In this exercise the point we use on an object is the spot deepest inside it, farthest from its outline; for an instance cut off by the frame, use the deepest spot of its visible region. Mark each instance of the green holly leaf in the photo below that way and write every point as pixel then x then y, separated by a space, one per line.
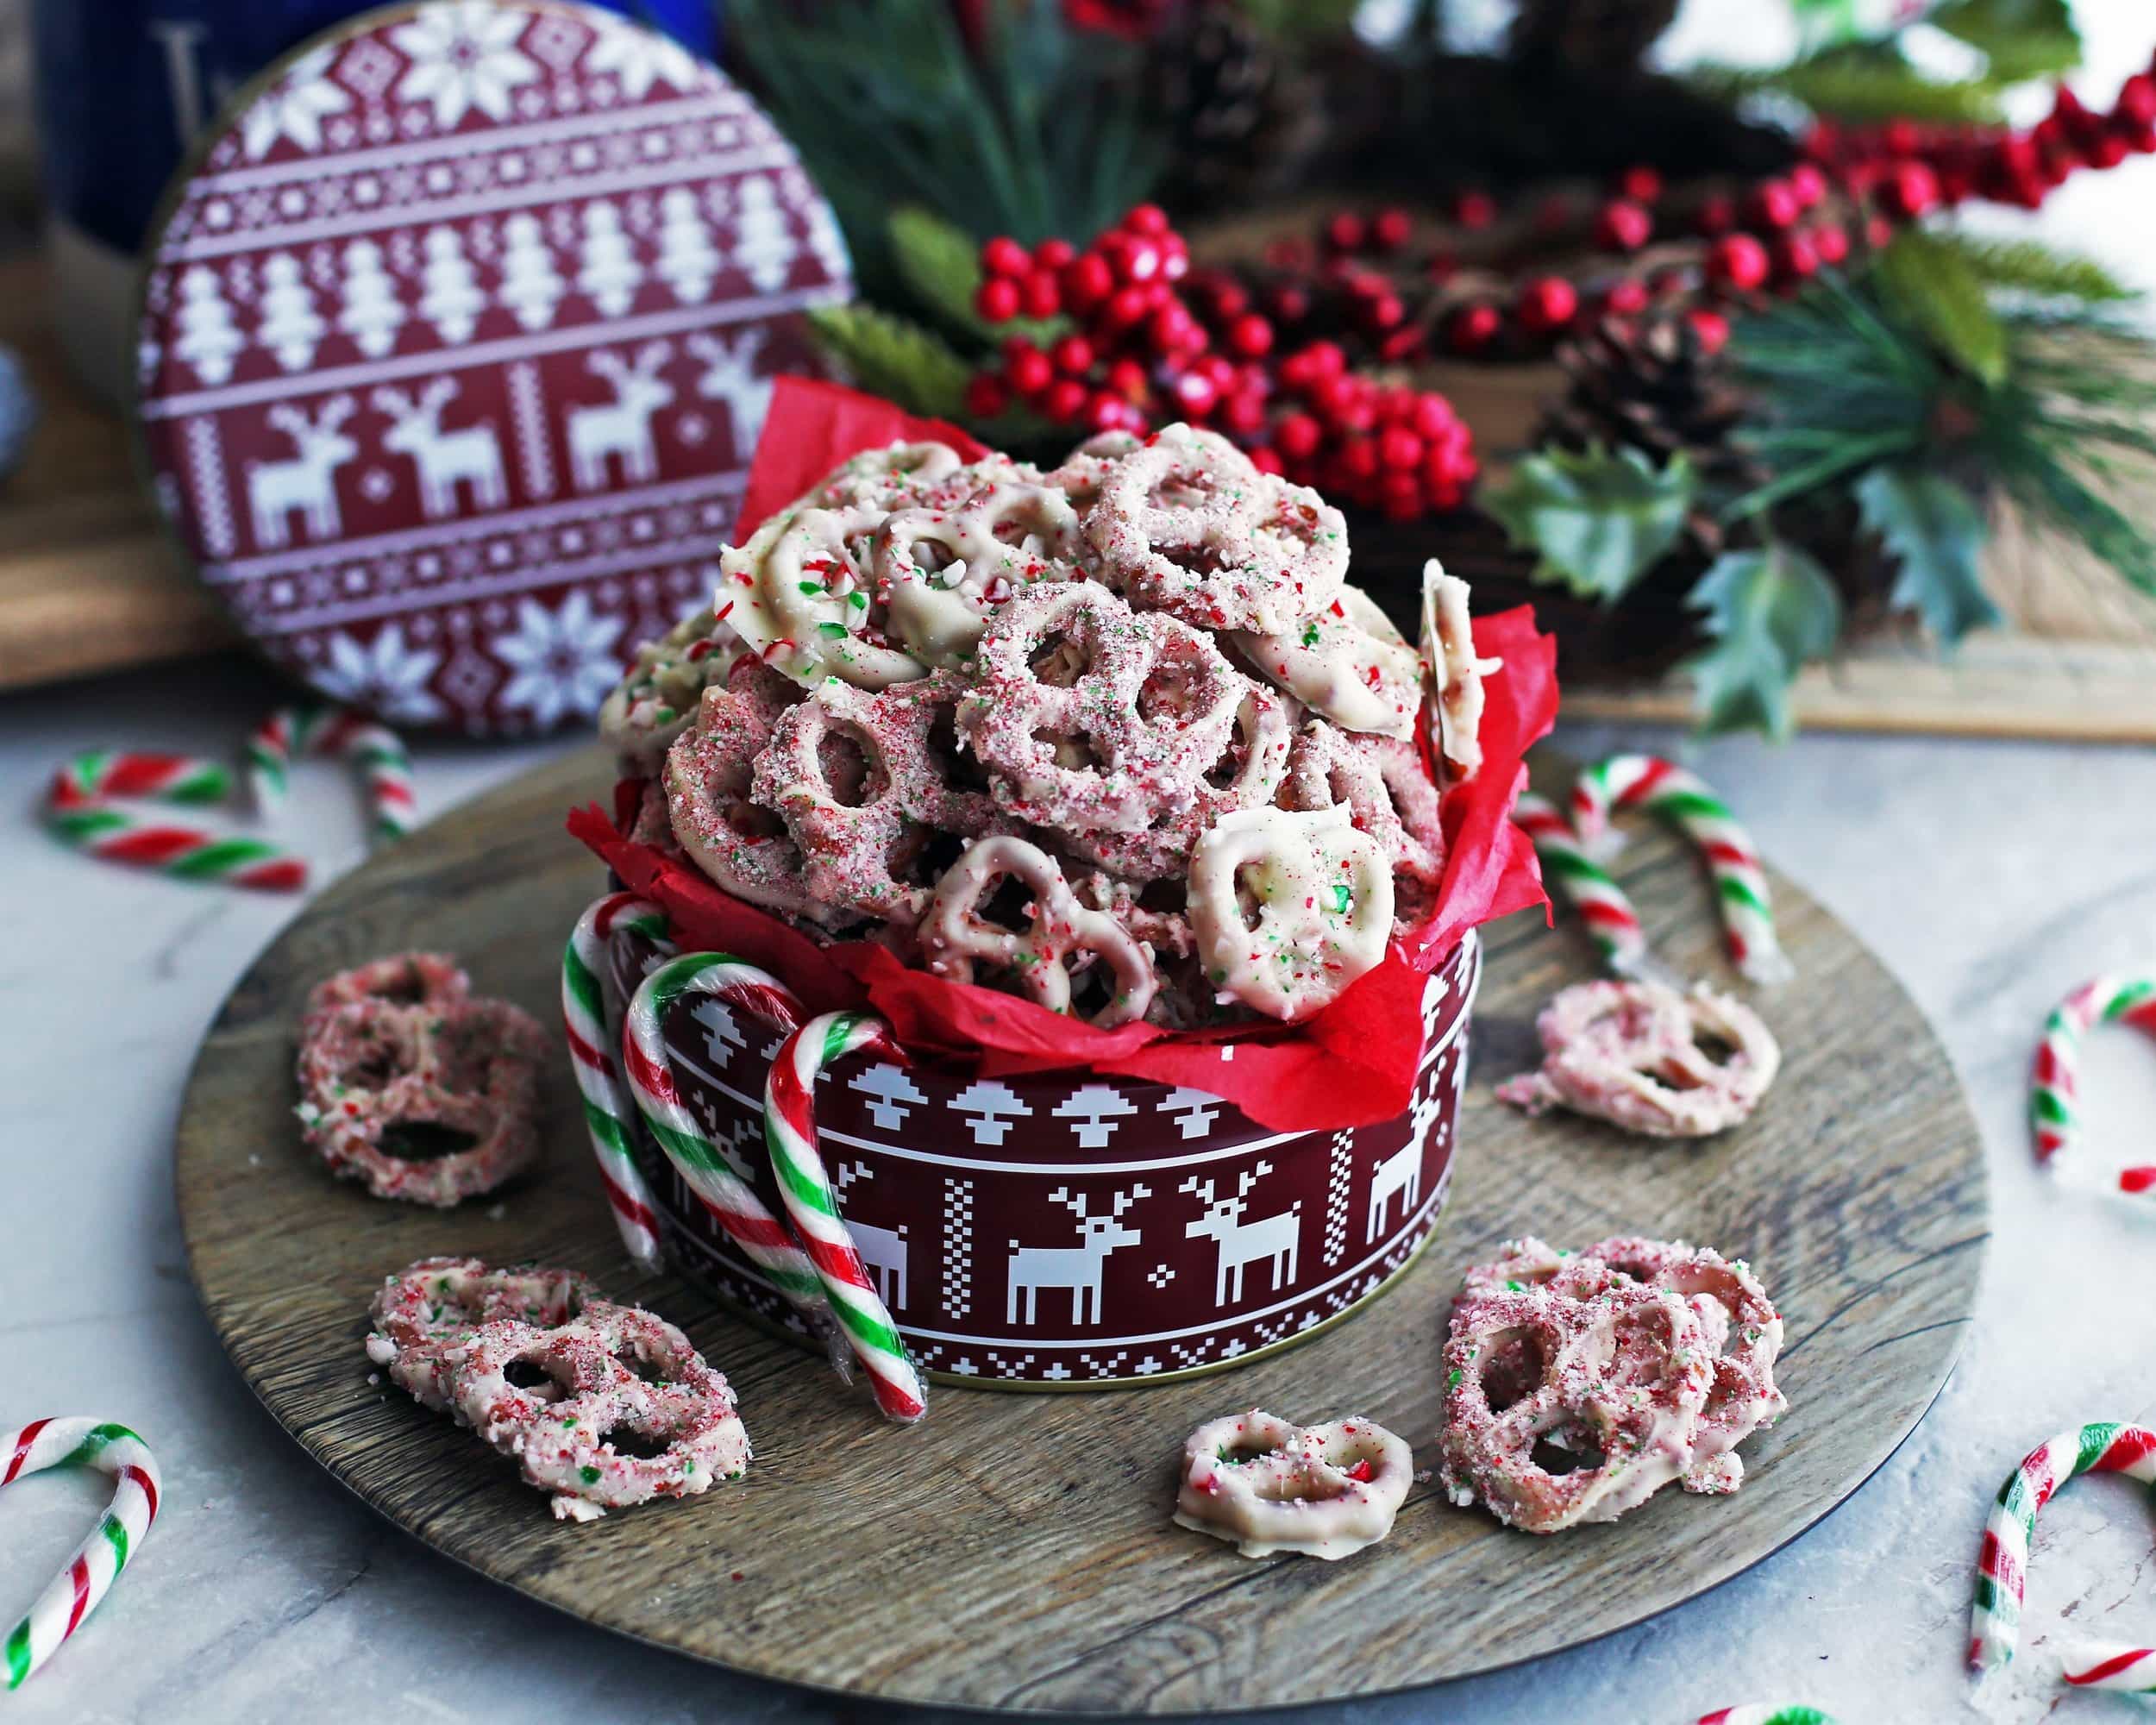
pixel 1598 521
pixel 1768 613
pixel 940 264
pixel 1934 533
pixel 892 358
pixel 2020 39
pixel 1936 285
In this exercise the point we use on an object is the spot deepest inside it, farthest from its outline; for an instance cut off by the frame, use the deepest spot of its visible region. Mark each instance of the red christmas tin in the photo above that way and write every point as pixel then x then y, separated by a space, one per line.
pixel 1066 1229
pixel 455 344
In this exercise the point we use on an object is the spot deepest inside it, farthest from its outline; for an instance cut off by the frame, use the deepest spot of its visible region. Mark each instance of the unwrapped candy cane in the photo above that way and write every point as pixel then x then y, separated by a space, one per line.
pixel 789 1132
pixel 1995 1624
pixel 375 749
pixel 73 1594
pixel 1756 1713
pixel 2054 1087
pixel 1686 801
pixel 1612 922
pixel 83 807
pixel 591 1015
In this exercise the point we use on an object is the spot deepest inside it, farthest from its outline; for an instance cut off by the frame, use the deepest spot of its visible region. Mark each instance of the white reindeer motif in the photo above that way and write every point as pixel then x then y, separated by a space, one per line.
pixel 1399 1174
pixel 444 459
pixel 882 1250
pixel 1277 1236
pixel 623 427
pixel 1076 1267
pixel 729 375
pixel 308 481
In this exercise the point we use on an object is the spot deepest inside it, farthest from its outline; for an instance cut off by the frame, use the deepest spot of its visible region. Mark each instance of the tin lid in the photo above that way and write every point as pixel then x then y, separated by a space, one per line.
pixel 455 342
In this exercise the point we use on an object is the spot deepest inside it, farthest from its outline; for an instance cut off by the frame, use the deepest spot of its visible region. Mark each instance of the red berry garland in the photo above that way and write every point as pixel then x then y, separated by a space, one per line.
pixel 1156 341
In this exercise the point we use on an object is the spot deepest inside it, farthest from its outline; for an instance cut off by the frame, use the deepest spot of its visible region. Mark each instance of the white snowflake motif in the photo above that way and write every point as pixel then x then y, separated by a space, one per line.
pixel 564 660
pixel 463 56
pixel 387 677
pixel 640 58
pixel 295 106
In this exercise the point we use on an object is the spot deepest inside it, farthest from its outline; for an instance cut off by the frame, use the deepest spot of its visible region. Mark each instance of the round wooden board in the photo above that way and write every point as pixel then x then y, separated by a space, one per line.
pixel 1014 1551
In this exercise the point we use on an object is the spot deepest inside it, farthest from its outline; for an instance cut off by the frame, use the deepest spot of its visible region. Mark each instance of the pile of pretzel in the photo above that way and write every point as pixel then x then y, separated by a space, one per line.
pixel 1116 736
pixel 1578 1384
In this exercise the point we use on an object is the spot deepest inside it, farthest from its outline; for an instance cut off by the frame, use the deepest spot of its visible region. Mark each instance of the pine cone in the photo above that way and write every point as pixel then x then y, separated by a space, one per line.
pixel 1607 35
pixel 1243 123
pixel 1650 383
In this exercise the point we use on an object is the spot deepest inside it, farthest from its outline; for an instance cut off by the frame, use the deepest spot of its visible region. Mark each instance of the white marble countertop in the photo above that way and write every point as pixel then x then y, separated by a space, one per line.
pixel 1989 878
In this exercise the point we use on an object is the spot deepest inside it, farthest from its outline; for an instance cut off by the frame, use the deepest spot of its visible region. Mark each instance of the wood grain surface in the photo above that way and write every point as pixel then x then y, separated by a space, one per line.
pixel 89 578
pixel 1014 1551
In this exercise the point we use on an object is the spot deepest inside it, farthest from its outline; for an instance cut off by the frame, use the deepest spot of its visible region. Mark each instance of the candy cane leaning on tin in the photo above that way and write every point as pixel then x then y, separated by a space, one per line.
pixel 1612 922
pixel 2105 1446
pixel 2055 1084
pixel 375 749
pixel 73 1594
pixel 1686 800
pixel 83 809
pixel 789 1132
pixel 727 1199
pixel 592 1015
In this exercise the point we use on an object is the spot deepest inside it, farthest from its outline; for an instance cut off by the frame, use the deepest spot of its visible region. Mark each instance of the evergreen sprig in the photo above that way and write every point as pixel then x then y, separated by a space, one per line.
pixel 889 357
pixel 1036 130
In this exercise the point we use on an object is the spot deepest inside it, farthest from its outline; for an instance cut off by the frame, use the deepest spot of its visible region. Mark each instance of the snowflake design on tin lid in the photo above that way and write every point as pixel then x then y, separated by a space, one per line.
pixel 295 107
pixel 463 56
pixel 564 661
pixel 387 676
pixel 640 58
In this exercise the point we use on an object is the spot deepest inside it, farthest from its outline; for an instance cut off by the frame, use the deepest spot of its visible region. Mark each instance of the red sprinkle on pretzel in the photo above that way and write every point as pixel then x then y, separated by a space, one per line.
pixel 1248 774
pixel 1616 1382
pixel 433 979
pixel 1744 1332
pixel 611 1370
pixel 853 776
pixel 1382 782
pixel 979 554
pixel 1092 716
pixel 743 847
pixel 1347 663
pixel 956 936
pixel 439 1300
pixel 433 1104
pixel 1629 1053
pixel 1267 1486
pixel 1288 909
pixel 1187 525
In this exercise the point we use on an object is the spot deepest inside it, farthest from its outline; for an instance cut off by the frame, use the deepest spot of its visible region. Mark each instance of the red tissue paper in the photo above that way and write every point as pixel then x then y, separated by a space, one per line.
pixel 1351 1064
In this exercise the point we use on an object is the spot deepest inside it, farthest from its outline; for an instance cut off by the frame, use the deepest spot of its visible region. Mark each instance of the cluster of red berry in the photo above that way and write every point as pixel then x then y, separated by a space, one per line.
pixel 1914 168
pixel 1155 342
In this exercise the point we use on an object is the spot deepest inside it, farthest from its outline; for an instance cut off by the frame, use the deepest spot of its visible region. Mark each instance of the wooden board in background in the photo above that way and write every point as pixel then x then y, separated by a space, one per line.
pixel 1014 1551
pixel 88 580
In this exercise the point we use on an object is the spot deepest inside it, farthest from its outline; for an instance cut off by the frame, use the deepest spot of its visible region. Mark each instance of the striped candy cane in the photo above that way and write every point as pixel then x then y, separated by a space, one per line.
pixel 378 753
pixel 726 1197
pixel 1611 921
pixel 2003 1564
pixel 80 810
pixel 2055 1084
pixel 590 1013
pixel 2112 1664
pixel 1756 1714
pixel 789 1132
pixel 1686 800
pixel 73 1594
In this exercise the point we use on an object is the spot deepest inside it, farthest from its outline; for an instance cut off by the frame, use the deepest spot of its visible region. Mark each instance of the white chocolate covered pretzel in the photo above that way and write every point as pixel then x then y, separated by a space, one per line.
pixel 1186 524
pixel 957 937
pixel 1266 1486
pixel 1288 908
pixel 1629 1053
pixel 1346 663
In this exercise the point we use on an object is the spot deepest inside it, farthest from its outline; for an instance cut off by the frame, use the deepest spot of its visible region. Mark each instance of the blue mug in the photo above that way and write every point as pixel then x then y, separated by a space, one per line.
pixel 167 67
